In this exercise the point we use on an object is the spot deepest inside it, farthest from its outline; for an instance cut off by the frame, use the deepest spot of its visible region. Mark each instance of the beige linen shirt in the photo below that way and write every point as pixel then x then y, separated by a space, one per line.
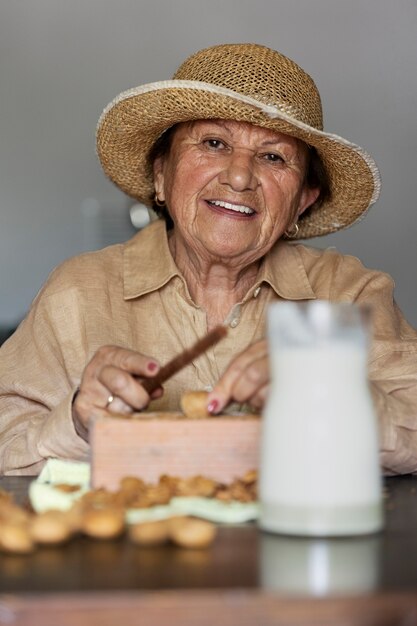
pixel 133 295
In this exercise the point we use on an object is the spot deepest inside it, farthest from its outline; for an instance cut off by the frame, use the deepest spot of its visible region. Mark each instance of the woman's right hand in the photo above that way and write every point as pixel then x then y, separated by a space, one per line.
pixel 113 372
pixel 246 380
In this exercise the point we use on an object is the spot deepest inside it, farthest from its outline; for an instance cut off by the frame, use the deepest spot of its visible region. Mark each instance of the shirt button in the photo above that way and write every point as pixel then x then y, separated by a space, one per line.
pixel 234 322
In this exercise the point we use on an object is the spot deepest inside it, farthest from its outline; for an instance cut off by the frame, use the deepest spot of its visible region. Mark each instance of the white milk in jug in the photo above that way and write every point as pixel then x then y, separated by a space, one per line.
pixel 319 453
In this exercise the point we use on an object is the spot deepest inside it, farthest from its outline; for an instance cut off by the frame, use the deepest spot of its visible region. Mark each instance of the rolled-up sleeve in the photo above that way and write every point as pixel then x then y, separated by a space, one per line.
pixel 392 361
pixel 394 389
pixel 37 385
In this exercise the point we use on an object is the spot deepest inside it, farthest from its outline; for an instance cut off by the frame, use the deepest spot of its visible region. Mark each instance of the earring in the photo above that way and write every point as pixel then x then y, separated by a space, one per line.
pixel 292 234
pixel 158 202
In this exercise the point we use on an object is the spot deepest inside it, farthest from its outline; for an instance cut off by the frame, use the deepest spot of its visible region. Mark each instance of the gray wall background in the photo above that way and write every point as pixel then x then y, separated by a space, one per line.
pixel 61 62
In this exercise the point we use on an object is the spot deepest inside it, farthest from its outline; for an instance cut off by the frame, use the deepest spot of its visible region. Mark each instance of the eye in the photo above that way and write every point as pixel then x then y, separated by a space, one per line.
pixel 213 143
pixel 273 157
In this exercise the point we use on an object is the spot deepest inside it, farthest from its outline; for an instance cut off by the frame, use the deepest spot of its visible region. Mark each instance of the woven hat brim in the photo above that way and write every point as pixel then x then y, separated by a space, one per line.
pixel 132 122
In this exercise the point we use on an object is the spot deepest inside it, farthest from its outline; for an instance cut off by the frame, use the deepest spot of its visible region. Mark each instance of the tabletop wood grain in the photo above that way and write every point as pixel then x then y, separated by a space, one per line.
pixel 246 577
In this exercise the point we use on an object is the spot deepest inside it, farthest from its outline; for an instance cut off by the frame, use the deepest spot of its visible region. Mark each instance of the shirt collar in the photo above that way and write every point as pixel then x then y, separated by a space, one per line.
pixel 147 261
pixel 148 265
pixel 283 269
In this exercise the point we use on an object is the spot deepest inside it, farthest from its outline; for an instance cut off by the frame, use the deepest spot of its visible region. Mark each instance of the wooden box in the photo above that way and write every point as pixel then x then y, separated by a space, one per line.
pixel 222 448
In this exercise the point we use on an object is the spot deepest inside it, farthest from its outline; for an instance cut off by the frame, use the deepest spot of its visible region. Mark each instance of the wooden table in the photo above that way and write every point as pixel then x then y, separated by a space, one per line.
pixel 246 577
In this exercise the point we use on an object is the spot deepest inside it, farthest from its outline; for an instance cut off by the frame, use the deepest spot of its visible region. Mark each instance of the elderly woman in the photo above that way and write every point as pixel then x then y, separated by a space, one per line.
pixel 232 156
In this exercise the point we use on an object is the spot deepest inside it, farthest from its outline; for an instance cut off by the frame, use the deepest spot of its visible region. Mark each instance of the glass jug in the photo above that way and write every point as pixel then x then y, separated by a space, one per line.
pixel 319 468
pixel 320 566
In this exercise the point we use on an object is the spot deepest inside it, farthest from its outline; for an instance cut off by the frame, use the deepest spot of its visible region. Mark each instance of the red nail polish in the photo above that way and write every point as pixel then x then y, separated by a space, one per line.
pixel 152 366
pixel 212 406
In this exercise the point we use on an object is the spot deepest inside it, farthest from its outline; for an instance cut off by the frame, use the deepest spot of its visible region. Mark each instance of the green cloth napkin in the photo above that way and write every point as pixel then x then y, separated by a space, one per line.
pixel 43 496
pixel 42 492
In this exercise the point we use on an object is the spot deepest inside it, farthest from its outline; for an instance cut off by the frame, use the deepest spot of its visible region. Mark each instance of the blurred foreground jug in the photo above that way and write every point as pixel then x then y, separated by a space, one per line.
pixel 319 469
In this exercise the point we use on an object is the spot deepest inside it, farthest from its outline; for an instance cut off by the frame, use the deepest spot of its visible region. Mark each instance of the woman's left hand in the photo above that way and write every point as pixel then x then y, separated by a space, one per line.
pixel 246 380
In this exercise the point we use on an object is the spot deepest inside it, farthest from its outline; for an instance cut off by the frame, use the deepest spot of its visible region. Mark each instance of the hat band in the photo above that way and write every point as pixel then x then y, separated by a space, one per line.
pixel 284 111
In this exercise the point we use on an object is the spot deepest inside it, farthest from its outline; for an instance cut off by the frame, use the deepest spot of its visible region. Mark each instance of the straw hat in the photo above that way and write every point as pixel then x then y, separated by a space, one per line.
pixel 243 82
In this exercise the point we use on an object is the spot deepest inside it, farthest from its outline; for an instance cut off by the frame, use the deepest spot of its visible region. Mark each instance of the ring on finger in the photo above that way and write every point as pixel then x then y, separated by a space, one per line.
pixel 109 401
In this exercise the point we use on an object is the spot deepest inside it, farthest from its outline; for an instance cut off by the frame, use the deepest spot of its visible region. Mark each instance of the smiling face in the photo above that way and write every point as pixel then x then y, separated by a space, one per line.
pixel 232 188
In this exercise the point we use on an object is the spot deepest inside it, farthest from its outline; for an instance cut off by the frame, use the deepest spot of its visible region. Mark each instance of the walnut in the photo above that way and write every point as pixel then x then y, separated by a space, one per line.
pixel 105 523
pixel 16 538
pixel 149 533
pixel 51 527
pixel 191 533
pixel 194 404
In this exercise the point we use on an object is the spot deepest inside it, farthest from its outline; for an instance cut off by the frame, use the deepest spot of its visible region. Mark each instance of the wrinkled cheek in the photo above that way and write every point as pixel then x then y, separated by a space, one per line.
pixel 272 227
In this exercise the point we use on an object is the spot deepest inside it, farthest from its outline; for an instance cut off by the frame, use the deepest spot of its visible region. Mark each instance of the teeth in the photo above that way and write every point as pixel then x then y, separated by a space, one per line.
pixel 239 208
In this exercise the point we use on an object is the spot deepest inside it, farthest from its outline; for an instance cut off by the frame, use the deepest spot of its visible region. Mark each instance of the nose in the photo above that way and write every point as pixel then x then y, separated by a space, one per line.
pixel 239 171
